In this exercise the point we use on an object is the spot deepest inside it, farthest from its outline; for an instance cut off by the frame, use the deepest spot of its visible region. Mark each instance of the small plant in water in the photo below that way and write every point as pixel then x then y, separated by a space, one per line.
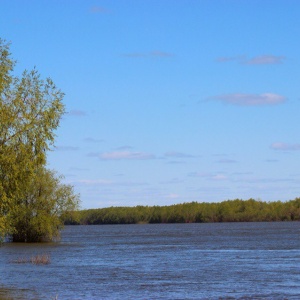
pixel 20 260
pixel 43 259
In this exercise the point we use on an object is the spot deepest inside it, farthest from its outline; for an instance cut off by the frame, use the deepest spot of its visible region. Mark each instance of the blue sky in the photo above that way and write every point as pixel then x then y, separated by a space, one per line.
pixel 168 101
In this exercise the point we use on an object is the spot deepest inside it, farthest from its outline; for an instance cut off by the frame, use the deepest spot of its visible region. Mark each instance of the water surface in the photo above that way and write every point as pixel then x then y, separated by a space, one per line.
pixel 162 261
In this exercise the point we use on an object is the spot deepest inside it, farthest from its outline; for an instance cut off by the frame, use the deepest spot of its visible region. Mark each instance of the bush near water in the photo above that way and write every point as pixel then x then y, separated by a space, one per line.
pixel 227 211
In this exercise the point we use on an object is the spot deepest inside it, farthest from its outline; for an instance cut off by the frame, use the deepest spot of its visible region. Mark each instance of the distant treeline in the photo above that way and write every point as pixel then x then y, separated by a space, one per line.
pixel 227 211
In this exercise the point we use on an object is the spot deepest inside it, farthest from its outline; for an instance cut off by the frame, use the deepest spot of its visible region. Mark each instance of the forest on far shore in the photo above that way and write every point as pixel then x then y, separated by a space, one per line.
pixel 227 211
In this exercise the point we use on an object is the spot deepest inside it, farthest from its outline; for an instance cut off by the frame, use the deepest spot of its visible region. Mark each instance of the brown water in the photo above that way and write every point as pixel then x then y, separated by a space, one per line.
pixel 163 261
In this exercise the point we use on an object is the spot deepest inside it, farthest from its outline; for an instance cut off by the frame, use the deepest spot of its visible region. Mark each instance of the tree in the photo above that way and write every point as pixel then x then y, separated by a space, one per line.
pixel 38 217
pixel 30 112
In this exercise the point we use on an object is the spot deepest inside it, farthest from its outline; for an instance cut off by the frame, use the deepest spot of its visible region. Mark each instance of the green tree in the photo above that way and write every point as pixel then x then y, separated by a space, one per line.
pixel 30 112
pixel 46 201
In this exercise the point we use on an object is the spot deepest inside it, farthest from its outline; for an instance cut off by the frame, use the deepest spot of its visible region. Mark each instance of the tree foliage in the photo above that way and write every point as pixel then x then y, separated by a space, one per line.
pixel 37 217
pixel 30 112
pixel 227 211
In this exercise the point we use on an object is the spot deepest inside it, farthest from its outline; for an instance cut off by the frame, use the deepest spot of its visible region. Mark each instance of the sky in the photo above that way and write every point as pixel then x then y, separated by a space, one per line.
pixel 168 101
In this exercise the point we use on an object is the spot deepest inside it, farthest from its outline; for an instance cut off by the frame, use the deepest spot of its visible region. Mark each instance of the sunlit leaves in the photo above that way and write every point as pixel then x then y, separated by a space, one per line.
pixel 30 111
pixel 38 216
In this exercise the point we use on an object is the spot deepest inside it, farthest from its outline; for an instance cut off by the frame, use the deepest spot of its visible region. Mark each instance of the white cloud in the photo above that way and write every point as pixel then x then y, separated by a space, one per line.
pixel 77 113
pixel 199 174
pixel 177 154
pixel 123 155
pixel 219 177
pixel 172 196
pixel 107 182
pixel 176 162
pixel 226 161
pixel 269 160
pixel 264 180
pixel 208 176
pixel 160 54
pixel 98 10
pixel 224 59
pixel 95 182
pixel 265 60
pixel 92 140
pixel 256 60
pixel 78 169
pixel 123 148
pixel 285 146
pixel 251 99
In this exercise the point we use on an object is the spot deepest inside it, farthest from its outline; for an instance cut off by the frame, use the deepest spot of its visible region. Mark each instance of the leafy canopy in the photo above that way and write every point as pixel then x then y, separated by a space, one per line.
pixel 37 217
pixel 30 112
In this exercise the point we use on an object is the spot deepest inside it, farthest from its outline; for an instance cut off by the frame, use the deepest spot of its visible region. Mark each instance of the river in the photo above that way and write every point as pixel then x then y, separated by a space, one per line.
pixel 158 261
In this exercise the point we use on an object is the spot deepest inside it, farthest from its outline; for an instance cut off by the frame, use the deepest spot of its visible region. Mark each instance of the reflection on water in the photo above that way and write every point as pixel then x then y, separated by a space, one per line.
pixel 163 261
